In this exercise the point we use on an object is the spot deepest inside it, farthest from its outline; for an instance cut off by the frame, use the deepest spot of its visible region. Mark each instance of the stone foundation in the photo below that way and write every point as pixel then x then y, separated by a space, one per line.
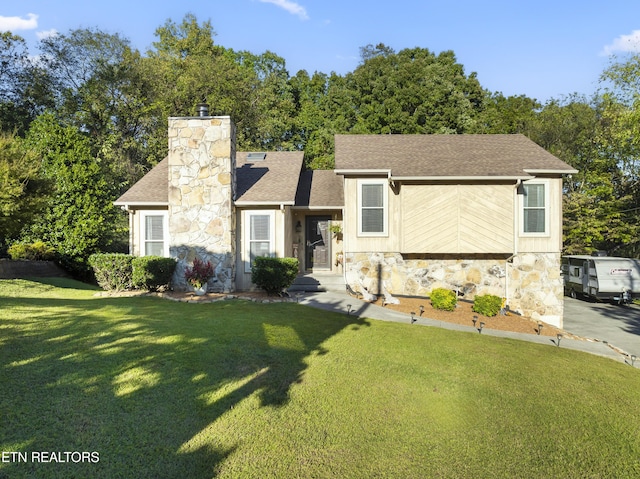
pixel 533 280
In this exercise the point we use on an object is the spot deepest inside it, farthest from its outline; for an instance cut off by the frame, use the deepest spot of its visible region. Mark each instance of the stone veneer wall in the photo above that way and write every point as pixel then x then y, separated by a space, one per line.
pixel 534 282
pixel 201 188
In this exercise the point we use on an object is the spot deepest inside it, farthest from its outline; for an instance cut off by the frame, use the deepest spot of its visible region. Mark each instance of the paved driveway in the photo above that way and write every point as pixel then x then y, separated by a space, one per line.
pixel 618 325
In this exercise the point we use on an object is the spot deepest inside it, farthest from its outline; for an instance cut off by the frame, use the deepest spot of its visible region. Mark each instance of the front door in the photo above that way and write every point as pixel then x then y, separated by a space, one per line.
pixel 318 248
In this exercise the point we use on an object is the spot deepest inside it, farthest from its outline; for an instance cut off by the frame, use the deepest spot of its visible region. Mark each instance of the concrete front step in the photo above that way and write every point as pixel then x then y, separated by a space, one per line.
pixel 318 281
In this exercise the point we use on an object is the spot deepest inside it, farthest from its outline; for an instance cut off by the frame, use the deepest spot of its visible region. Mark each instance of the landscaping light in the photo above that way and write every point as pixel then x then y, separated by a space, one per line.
pixel 421 310
pixel 475 320
pixel 539 328
pixel 633 359
pixel 559 337
pixel 413 319
pixel 298 297
pixel 348 309
pixel 481 326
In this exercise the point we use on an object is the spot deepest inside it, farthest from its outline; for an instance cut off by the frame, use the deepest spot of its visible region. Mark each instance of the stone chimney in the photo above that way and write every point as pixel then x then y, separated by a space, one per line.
pixel 202 163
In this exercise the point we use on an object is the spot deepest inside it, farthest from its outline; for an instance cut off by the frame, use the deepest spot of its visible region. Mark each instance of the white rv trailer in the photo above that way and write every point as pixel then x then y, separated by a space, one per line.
pixel 601 277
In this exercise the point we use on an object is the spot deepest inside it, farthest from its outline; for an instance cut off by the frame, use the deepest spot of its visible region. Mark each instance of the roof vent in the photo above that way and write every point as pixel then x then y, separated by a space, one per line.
pixel 256 156
pixel 203 109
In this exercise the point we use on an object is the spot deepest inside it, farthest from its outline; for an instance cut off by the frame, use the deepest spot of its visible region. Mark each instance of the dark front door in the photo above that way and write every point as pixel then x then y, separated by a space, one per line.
pixel 318 249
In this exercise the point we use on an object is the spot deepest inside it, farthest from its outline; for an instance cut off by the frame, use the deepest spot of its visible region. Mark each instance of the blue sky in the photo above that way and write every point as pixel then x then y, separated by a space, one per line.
pixel 543 49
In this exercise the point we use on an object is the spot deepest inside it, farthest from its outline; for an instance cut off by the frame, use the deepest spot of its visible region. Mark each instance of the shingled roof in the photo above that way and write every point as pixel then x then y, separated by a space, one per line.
pixel 445 156
pixel 151 189
pixel 320 189
pixel 272 180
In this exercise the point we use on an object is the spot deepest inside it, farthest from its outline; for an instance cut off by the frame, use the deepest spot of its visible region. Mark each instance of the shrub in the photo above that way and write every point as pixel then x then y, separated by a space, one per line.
pixel 36 251
pixel 444 299
pixel 274 275
pixel 152 272
pixel 113 271
pixel 487 304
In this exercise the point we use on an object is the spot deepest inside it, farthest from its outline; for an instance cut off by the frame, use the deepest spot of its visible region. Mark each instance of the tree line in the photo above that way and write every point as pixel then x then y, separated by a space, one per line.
pixel 86 116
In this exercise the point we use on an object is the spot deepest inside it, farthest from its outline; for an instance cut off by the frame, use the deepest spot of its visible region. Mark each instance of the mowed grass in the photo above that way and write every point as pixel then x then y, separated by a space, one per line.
pixel 161 389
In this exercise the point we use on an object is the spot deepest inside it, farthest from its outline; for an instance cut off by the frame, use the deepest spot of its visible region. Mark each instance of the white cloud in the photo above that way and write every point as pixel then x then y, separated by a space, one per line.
pixel 624 43
pixel 47 34
pixel 12 24
pixel 291 7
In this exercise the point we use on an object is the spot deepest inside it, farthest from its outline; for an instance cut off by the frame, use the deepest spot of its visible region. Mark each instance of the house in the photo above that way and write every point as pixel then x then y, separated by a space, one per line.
pixel 480 214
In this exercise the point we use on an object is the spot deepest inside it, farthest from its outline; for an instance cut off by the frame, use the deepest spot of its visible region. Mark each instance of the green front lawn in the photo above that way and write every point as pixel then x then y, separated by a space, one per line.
pixel 161 389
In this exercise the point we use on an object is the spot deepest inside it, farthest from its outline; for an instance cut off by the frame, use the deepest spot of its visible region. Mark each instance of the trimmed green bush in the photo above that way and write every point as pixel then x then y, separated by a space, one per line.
pixel 152 272
pixel 444 299
pixel 36 251
pixel 113 271
pixel 274 275
pixel 487 304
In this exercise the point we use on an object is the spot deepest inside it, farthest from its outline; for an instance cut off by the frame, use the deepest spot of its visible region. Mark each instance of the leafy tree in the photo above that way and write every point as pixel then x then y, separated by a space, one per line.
pixel 413 91
pixel 619 138
pixel 15 114
pixel 79 218
pixel 268 121
pixel 93 80
pixel 72 64
pixel 500 114
pixel 593 220
pixel 577 131
pixel 569 129
pixel 185 67
pixel 21 191
pixel 315 116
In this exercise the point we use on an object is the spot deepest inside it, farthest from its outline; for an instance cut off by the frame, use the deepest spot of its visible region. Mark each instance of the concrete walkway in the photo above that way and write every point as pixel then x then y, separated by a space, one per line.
pixel 339 302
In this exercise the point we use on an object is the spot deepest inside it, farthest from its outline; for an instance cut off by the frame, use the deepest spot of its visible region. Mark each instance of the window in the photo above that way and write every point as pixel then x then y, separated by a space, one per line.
pixel 535 216
pixel 259 236
pixel 154 235
pixel 372 206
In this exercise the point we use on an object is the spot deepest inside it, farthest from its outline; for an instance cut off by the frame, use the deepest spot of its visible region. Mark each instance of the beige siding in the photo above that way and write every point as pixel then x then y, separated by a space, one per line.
pixel 486 218
pixel 429 218
pixel 136 229
pixel 282 241
pixel 457 218
pixel 551 243
pixel 352 242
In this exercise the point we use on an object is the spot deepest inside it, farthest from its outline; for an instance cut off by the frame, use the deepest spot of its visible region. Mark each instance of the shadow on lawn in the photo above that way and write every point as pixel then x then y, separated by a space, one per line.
pixel 139 380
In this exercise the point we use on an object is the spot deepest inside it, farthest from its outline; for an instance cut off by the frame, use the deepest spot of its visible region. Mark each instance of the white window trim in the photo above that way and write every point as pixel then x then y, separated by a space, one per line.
pixel 547 212
pixel 246 228
pixel 385 207
pixel 165 231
